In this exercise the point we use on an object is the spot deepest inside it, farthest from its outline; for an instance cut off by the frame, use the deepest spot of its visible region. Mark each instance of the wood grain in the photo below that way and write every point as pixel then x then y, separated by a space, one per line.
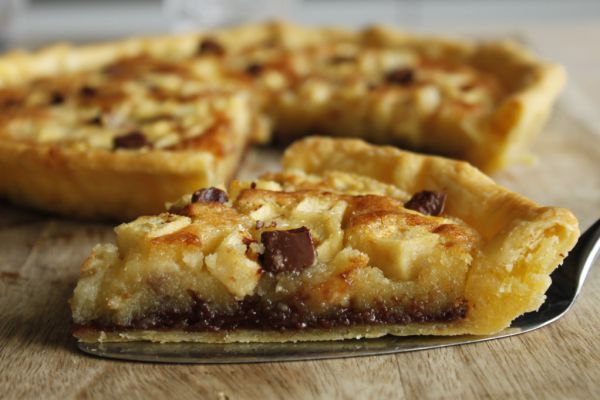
pixel 40 256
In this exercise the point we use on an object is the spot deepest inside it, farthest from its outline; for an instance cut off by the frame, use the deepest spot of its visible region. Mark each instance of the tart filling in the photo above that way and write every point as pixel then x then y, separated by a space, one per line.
pixel 272 259
pixel 138 103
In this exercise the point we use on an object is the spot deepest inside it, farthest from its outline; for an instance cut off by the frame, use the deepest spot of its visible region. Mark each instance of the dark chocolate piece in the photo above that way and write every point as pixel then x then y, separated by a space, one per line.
pixel 289 250
pixel 210 46
pixel 290 315
pixel 427 202
pixel 209 195
pixel 254 69
pixel 11 102
pixel 57 98
pixel 88 91
pixel 97 120
pixel 339 59
pixel 402 76
pixel 133 140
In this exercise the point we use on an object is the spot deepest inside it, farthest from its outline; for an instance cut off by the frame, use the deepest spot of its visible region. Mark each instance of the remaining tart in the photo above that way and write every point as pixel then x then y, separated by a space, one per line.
pixel 120 141
pixel 115 130
pixel 349 240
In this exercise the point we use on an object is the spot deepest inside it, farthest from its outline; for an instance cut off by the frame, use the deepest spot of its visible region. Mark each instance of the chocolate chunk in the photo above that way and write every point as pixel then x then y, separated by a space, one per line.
pixel 210 47
pixel 335 60
pixel 467 87
pixel 97 120
pixel 254 69
pixel 290 314
pixel 209 195
pixel 88 91
pixel 428 203
pixel 57 98
pixel 11 102
pixel 290 250
pixel 133 140
pixel 402 76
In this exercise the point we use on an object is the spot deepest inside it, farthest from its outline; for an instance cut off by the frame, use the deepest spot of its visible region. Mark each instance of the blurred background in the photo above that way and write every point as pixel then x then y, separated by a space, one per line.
pixel 32 23
pixel 566 31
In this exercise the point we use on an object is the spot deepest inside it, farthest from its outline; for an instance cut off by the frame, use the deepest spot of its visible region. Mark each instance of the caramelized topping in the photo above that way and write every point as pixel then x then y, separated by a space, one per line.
pixel 427 202
pixel 402 76
pixel 133 140
pixel 290 250
pixel 210 46
pixel 209 195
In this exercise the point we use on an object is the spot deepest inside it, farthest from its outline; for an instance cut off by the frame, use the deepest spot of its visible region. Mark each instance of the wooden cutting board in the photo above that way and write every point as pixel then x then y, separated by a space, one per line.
pixel 40 256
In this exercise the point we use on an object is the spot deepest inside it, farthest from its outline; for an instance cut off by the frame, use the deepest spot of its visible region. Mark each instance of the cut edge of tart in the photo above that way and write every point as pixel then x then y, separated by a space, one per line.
pixel 350 240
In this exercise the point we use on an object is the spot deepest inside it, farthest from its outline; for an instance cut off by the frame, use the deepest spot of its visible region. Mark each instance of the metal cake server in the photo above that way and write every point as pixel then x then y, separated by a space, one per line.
pixel 567 282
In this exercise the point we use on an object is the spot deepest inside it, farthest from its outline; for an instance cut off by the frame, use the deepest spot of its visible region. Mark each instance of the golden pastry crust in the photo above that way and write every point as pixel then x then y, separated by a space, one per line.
pixel 482 103
pixel 120 141
pixel 471 270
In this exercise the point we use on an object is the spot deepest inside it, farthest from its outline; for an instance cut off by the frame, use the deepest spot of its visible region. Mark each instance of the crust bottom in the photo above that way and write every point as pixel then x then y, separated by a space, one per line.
pixel 91 335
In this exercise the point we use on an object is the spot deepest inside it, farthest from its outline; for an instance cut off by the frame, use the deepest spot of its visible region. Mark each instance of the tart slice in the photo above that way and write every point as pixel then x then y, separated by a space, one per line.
pixel 349 240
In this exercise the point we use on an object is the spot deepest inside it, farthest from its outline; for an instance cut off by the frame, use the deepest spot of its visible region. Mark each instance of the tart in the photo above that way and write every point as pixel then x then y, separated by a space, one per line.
pixel 349 240
pixel 119 141
pixel 116 130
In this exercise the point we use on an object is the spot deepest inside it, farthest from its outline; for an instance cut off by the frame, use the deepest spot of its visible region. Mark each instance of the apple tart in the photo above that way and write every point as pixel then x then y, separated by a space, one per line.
pixel 115 130
pixel 349 240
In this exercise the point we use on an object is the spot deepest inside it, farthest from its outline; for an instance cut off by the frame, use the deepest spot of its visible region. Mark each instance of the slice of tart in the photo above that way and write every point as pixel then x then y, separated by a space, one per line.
pixel 350 240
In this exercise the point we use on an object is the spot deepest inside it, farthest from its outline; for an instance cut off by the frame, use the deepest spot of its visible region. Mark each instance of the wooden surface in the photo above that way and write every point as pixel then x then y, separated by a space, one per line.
pixel 40 257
